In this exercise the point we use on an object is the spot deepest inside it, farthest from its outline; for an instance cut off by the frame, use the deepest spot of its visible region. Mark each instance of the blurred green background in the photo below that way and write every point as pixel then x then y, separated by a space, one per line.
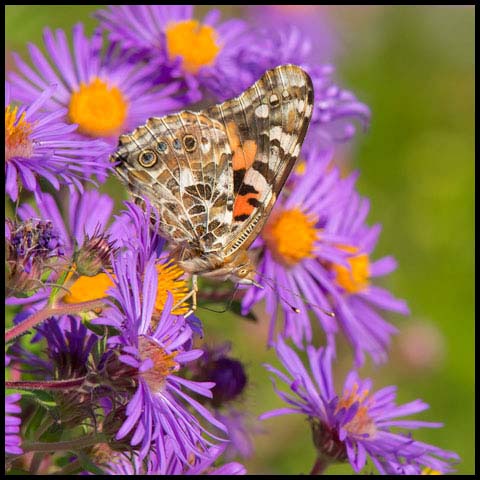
pixel 414 66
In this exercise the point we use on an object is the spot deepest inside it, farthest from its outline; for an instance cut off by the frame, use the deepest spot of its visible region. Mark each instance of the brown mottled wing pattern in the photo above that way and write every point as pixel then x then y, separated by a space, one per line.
pixel 266 126
pixel 182 164
pixel 215 175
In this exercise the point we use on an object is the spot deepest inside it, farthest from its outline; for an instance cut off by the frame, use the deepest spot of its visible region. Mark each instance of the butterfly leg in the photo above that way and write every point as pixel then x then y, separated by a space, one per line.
pixel 191 294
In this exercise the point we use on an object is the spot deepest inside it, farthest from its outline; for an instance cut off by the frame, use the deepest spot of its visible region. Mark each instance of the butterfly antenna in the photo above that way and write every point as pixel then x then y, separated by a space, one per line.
pixel 229 304
pixel 271 283
pixel 227 307
pixel 235 290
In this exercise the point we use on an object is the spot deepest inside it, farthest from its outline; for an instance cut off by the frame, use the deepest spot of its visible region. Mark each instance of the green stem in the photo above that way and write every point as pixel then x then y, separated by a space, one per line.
pixel 72 445
pixel 46 385
pixel 40 316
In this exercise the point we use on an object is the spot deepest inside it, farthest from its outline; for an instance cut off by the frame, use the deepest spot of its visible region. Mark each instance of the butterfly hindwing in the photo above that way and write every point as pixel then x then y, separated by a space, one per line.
pixel 265 126
pixel 186 175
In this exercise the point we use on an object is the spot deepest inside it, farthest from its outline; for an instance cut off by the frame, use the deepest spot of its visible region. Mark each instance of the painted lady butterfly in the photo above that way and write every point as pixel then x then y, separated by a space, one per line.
pixel 215 175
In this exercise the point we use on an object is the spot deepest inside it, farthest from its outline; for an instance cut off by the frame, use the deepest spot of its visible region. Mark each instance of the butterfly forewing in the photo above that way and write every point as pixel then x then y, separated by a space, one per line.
pixel 265 126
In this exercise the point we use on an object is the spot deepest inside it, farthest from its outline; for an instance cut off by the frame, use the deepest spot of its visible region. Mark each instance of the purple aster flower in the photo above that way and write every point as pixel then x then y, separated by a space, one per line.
pixel 155 346
pixel 81 220
pixel 356 424
pixel 204 54
pixel 119 464
pixel 12 421
pixel 317 248
pixel 291 246
pixel 104 95
pixel 336 110
pixel 40 144
pixel 312 20
pixel 204 466
pixel 350 286
pixel 137 228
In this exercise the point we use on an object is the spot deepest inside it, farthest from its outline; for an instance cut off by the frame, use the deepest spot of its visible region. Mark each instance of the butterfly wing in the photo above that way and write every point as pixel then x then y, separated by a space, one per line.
pixel 266 126
pixel 215 175
pixel 182 164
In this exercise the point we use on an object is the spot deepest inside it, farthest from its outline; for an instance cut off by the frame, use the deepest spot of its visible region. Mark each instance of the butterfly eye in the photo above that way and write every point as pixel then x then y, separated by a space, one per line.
pixel 242 272
pixel 147 159
pixel 176 144
pixel 162 147
pixel 189 142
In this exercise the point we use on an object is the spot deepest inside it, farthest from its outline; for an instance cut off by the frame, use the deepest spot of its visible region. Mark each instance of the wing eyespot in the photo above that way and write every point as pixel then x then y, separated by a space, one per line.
pixel 162 147
pixel 147 158
pixel 177 144
pixel 190 143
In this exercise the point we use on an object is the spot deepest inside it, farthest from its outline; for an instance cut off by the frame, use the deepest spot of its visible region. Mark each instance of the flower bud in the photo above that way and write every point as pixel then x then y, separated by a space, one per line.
pixel 227 373
pixel 32 248
pixel 94 255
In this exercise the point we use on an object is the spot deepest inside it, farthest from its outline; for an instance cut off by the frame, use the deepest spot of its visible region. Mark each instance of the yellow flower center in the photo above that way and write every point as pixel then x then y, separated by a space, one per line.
pixel 196 44
pixel 301 167
pixel 430 471
pixel 99 110
pixel 17 135
pixel 163 363
pixel 168 281
pixel 355 278
pixel 361 423
pixel 290 235
pixel 85 288
pixel 90 288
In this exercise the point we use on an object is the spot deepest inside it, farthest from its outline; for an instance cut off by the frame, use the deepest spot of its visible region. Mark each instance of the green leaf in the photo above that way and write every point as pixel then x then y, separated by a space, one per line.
pixel 41 397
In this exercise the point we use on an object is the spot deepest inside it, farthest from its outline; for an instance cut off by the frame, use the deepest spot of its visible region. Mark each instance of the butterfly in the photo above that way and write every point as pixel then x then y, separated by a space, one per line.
pixel 214 175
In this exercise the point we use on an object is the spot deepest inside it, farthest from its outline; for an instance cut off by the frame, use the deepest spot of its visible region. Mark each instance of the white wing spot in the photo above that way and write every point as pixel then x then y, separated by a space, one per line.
pixel 261 111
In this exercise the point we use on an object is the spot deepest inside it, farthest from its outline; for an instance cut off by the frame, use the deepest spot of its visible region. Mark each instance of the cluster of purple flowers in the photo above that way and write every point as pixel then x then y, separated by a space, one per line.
pixel 123 360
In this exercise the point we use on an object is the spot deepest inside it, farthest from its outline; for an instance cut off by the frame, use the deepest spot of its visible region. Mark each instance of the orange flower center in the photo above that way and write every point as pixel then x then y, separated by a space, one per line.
pixel 361 423
pixel 430 471
pixel 90 288
pixel 300 167
pixel 355 278
pixel 99 110
pixel 17 135
pixel 163 363
pixel 290 235
pixel 85 288
pixel 168 281
pixel 196 44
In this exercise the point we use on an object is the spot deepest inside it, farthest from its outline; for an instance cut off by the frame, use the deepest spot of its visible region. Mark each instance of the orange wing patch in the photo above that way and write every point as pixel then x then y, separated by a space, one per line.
pixel 243 155
pixel 245 203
